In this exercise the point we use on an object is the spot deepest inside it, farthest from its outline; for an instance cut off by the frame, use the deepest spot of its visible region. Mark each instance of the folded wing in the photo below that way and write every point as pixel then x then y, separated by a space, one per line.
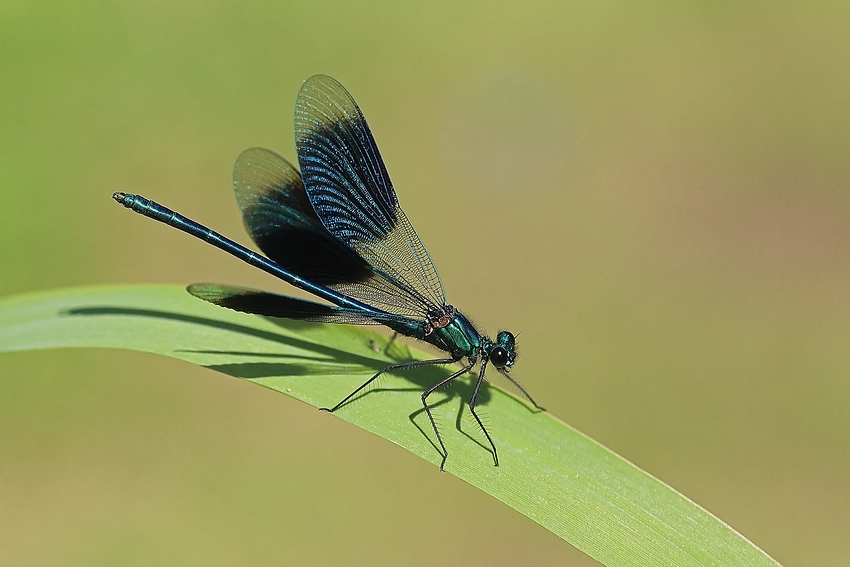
pixel 351 193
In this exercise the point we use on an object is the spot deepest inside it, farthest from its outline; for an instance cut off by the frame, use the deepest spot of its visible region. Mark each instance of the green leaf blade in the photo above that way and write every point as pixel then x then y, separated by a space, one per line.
pixel 551 473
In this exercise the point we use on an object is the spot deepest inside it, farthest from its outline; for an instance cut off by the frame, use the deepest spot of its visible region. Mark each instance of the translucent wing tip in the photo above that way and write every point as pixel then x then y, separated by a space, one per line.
pixel 320 80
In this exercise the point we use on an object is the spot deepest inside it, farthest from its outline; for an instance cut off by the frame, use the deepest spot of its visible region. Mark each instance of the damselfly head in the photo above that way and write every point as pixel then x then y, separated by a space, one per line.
pixel 503 353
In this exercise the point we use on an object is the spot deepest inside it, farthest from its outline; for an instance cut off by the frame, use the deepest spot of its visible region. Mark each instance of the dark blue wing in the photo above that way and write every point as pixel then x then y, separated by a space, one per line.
pixel 259 302
pixel 278 216
pixel 352 195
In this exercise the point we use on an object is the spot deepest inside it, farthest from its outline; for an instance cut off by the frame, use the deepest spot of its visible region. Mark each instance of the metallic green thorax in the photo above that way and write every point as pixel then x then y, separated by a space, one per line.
pixel 458 337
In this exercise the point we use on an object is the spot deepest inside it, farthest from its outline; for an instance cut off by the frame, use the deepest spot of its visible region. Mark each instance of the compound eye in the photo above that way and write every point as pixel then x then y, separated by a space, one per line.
pixel 499 357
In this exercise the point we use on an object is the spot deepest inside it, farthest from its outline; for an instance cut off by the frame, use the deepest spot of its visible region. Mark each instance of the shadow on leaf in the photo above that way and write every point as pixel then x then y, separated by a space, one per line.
pixel 329 361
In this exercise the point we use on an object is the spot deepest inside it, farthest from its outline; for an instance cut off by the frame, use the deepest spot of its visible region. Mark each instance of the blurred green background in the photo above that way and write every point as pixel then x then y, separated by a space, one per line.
pixel 655 195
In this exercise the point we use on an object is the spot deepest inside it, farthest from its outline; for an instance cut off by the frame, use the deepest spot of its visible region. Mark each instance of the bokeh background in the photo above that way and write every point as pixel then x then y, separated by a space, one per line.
pixel 656 195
